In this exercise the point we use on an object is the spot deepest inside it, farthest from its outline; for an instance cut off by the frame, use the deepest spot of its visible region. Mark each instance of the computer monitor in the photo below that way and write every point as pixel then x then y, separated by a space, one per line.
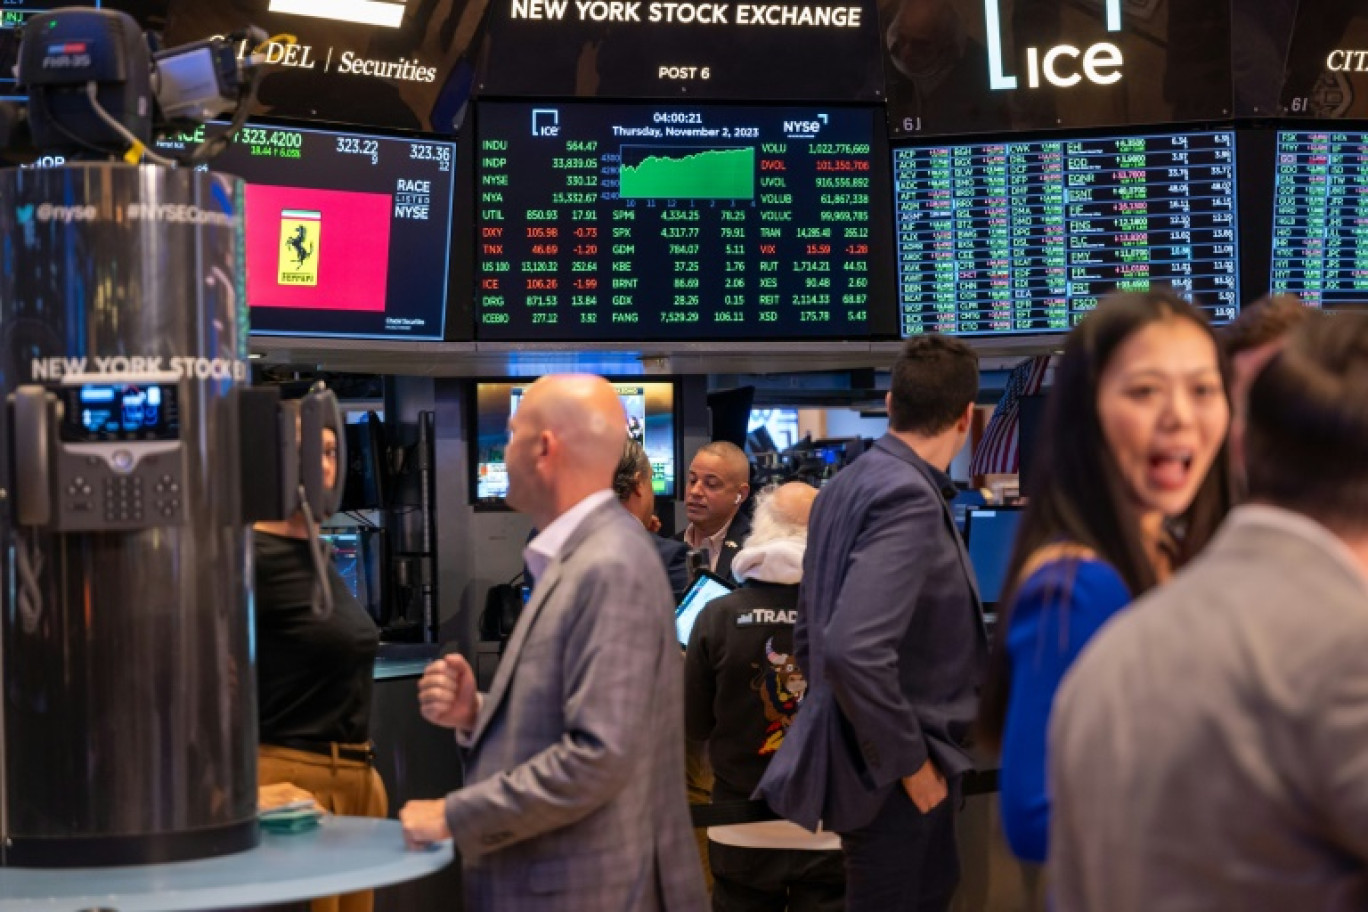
pixel 649 406
pixel 367 483
pixel 667 222
pixel 991 533
pixel 348 559
pixel 347 235
pixel 1003 238
pixel 1318 185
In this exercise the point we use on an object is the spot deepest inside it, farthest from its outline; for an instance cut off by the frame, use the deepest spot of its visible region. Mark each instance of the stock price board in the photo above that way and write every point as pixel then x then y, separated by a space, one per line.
pixel 1026 237
pixel 1320 218
pixel 640 222
pixel 348 235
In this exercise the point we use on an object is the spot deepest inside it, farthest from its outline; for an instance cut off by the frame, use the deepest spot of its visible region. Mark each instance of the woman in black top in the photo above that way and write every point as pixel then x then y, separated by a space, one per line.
pixel 314 679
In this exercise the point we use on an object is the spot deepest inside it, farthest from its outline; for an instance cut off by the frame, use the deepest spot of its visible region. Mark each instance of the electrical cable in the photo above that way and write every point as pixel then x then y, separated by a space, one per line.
pixel 38 101
pixel 360 520
pixel 29 567
pixel 136 150
pixel 322 602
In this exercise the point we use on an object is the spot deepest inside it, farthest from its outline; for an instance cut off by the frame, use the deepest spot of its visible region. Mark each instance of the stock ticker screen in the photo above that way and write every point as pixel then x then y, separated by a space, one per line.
pixel 1320 217
pixel 348 235
pixel 1026 237
pixel 641 222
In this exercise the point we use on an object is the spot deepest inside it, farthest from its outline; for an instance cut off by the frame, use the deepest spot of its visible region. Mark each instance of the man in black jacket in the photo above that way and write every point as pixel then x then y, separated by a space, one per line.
pixel 742 689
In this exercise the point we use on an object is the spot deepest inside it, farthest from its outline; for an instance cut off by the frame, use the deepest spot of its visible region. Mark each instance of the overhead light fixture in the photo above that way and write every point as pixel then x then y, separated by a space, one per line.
pixel 389 13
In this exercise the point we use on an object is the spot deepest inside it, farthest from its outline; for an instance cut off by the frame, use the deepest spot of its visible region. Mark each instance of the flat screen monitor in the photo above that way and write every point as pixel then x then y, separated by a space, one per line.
pixel 664 222
pixel 705 589
pixel 367 483
pixel 990 532
pixel 1320 217
pixel 650 409
pixel 347 558
pixel 1026 237
pixel 348 235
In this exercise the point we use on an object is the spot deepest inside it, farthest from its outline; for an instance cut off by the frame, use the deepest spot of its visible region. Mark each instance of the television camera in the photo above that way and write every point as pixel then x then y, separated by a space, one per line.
pixel 99 89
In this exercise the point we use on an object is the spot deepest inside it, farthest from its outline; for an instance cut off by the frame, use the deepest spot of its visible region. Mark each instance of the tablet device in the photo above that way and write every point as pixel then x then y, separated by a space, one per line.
pixel 704 589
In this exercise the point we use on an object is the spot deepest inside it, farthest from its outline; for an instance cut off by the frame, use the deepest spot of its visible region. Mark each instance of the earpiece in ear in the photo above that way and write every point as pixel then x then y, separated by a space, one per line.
pixel 739 498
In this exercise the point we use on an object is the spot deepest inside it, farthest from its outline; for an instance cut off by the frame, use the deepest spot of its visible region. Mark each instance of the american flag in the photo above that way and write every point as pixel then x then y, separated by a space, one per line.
pixel 997 452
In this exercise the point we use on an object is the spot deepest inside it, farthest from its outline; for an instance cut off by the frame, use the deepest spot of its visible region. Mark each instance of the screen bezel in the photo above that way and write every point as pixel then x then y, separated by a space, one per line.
pixel 883 314
pixel 473 424
pixel 1241 194
pixel 73 430
pixel 1257 167
pixel 457 308
pixel 989 606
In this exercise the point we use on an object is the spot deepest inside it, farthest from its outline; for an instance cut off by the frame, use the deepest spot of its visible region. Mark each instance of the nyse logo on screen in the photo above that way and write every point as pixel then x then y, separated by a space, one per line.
pixel 545 122
pixel 1059 65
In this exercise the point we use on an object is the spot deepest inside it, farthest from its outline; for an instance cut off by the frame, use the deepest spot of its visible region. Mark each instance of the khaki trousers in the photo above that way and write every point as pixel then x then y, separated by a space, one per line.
pixel 350 787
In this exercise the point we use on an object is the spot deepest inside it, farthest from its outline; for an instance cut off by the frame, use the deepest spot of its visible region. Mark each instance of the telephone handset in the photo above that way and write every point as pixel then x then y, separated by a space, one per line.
pixel 31 408
pixel 98 453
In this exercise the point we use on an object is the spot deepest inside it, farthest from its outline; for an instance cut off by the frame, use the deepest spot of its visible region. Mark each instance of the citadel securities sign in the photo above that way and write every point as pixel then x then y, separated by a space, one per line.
pixel 373 63
pixel 1101 63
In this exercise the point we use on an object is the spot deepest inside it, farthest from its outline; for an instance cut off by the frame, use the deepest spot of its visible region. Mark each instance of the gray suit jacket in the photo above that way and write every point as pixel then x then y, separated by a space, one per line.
pixel 891 637
pixel 575 797
pixel 1209 749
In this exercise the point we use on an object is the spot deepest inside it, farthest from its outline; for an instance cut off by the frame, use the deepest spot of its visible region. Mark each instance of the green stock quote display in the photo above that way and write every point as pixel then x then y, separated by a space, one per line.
pixel 1320 220
pixel 640 222
pixel 1026 237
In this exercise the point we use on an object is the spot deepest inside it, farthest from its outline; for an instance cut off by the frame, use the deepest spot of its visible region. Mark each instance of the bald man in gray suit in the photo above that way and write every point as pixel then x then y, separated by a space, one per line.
pixel 574 796
pixel 1209 750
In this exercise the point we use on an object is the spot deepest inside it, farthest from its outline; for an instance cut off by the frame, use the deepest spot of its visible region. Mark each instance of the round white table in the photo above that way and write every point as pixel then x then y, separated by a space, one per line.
pixel 341 855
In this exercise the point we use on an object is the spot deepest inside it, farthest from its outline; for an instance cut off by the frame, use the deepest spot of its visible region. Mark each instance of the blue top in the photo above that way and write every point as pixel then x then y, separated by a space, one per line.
pixel 1056 611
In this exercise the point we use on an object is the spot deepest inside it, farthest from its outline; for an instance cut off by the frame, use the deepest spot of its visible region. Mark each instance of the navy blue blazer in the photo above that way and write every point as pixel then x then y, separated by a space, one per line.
pixel 674 554
pixel 891 636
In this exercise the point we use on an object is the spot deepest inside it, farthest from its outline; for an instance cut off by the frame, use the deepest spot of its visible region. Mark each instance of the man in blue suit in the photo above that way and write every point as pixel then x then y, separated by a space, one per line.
pixel 891 637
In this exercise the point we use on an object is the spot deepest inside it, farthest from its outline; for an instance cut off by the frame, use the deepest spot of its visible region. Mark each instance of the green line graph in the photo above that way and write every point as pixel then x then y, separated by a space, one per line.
pixel 687 172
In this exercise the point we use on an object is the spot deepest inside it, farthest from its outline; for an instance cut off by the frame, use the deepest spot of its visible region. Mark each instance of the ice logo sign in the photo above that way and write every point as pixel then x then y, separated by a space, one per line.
pixel 545 122
pixel 1059 65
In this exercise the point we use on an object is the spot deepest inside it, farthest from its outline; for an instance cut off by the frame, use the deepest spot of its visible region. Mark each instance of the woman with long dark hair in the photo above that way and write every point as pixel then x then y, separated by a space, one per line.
pixel 1133 482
